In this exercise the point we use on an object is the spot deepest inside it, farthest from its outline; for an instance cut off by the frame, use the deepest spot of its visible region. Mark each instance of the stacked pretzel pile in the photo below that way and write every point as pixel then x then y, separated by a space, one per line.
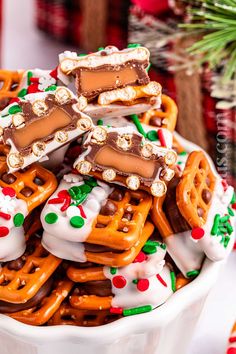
pixel 103 212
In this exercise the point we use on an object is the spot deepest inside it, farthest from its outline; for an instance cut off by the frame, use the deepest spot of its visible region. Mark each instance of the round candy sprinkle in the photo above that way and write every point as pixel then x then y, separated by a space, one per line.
pixel 143 284
pixel 4 231
pixel 9 191
pixel 197 233
pixel 113 270
pixel 51 218
pixel 18 219
pixel 85 188
pixel 152 135
pixel 119 281
pixel 100 122
pixel 77 222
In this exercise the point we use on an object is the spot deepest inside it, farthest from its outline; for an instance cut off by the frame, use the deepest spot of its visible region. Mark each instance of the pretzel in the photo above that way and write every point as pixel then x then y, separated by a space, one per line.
pixel 40 314
pixel 183 251
pixel 165 117
pixel 197 177
pixel 26 181
pixel 18 286
pixel 4 151
pixel 130 94
pixel 67 315
pixel 10 81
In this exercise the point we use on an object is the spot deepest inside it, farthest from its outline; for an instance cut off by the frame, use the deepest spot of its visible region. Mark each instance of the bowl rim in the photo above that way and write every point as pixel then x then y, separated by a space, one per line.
pixel 195 291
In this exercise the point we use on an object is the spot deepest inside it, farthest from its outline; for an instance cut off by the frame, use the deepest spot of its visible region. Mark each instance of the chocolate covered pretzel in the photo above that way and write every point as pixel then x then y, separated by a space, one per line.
pixel 123 156
pixel 39 124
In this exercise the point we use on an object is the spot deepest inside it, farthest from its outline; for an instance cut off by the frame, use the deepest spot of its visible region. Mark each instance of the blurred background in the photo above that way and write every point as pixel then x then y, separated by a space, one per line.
pixel 34 32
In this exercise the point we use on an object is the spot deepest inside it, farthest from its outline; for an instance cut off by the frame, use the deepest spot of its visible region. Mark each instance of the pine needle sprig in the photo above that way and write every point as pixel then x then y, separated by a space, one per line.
pixel 215 20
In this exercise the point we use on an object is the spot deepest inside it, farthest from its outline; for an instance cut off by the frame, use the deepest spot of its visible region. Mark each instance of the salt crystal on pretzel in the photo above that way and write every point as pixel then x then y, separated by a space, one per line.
pixel 40 123
pixel 124 156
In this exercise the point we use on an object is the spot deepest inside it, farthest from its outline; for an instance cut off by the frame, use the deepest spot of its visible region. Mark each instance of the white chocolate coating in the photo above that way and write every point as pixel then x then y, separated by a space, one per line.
pixel 61 238
pixel 13 245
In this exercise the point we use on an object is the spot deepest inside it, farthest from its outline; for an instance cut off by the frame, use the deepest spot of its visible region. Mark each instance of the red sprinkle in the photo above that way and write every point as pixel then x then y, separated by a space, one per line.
pixel 116 310
pixel 143 284
pixel 53 73
pixel 197 233
pixel 234 245
pixel 9 191
pixel 234 206
pixel 5 216
pixel 33 88
pixel 14 100
pixel 34 80
pixel 63 194
pixel 224 184
pixel 82 213
pixel 161 280
pixel 232 339
pixel 231 351
pixel 119 281
pixel 66 204
pixel 141 257
pixel 161 137
pixel 56 201
pixel 4 231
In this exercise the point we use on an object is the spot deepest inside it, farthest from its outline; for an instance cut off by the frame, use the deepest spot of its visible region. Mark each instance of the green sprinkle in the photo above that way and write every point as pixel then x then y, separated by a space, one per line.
pixel 215 224
pixel 91 182
pixel 85 188
pixel 14 109
pixel 230 211
pixel 100 49
pixel 75 192
pixel 173 281
pixel 233 200
pixel 135 281
pixel 224 218
pixel 179 163
pixel 152 243
pixel 133 45
pixel 137 310
pixel 82 199
pixel 152 135
pixel 100 122
pixel 77 222
pixel 182 153
pixel 229 228
pixel 18 220
pixel 51 88
pixel 113 270
pixel 22 93
pixel 149 249
pixel 192 273
pixel 29 75
pixel 222 229
pixel 138 124
pixel 51 218
pixel 82 55
pixel 226 241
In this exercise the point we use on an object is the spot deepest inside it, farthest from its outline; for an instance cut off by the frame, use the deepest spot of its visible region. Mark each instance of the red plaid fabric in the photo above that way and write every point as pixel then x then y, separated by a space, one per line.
pixel 62 19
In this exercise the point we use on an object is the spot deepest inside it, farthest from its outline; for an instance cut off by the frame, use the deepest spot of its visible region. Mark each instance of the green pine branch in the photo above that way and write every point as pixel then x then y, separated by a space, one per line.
pixel 216 21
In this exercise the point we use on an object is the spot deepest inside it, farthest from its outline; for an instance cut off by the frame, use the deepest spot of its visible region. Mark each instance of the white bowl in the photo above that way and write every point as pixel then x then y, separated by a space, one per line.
pixel 165 330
